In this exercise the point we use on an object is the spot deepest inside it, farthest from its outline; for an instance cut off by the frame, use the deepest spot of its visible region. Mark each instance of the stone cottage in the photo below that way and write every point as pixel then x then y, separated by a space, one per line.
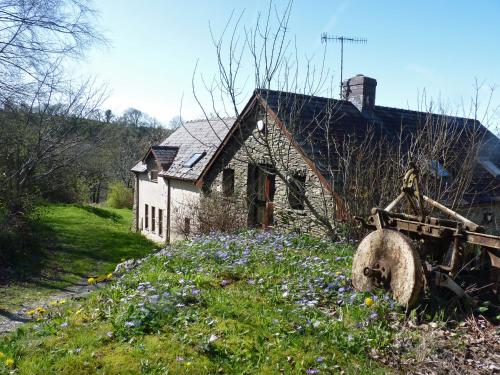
pixel 275 160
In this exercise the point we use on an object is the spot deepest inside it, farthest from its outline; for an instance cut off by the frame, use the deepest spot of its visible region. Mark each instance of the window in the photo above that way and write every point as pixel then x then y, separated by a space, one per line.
pixel 195 158
pixel 187 226
pixel 488 218
pixel 228 182
pixel 160 222
pixel 153 221
pixel 297 191
pixel 146 216
pixel 153 175
pixel 490 167
pixel 438 169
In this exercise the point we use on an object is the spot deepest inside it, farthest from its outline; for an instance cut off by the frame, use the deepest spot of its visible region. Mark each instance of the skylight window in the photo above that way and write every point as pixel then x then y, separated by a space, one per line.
pixel 490 167
pixel 439 169
pixel 195 158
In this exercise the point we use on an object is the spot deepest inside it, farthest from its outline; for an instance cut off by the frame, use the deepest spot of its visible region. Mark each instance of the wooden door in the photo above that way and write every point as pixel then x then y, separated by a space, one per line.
pixel 261 188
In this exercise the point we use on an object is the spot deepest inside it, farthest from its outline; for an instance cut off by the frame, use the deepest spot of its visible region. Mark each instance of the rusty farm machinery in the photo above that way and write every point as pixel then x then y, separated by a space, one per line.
pixel 409 253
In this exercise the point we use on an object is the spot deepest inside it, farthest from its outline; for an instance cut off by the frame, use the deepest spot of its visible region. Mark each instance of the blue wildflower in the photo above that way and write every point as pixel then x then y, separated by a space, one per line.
pixel 312 371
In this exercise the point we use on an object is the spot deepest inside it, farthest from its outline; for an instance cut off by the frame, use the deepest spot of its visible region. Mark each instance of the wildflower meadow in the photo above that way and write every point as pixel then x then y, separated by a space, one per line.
pixel 254 302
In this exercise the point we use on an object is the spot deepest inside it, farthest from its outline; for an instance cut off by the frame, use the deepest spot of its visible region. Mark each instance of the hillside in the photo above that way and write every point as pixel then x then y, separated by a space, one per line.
pixel 248 303
pixel 67 244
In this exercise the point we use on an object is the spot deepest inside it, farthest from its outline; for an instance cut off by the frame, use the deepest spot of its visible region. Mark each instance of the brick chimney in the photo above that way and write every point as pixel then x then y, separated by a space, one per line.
pixel 360 91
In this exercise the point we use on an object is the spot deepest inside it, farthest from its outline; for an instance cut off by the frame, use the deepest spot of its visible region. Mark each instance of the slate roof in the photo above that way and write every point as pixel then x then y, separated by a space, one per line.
pixel 140 167
pixel 197 136
pixel 308 118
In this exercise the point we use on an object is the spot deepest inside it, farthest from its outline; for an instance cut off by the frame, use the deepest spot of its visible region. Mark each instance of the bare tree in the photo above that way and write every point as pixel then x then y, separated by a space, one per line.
pixel 175 122
pixel 42 109
pixel 34 35
pixel 48 135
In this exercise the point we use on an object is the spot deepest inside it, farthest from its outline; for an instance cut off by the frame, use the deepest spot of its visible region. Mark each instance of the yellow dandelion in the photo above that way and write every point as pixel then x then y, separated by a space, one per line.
pixel 53 303
pixel 78 312
pixel 40 310
pixel 109 276
pixel 368 301
pixel 62 302
pixel 9 362
pixel 91 280
pixel 31 312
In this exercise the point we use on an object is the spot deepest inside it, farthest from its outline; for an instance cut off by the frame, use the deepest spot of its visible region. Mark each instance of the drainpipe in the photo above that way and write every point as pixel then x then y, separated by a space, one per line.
pixel 168 211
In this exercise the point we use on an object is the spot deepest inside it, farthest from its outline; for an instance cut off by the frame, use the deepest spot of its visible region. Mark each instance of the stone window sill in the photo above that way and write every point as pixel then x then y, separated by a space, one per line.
pixel 297 211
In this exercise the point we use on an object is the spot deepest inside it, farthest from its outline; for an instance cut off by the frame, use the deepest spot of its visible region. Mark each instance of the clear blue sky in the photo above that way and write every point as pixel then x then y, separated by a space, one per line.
pixel 439 46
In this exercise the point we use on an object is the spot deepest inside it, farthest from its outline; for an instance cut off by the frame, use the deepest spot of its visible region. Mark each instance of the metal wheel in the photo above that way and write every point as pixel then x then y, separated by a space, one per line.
pixel 387 259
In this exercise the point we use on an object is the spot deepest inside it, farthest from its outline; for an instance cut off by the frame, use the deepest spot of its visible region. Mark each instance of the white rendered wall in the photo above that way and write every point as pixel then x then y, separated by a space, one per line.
pixel 185 197
pixel 154 194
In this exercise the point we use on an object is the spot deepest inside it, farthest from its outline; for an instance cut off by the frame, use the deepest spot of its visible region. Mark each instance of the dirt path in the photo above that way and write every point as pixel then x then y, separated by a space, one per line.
pixel 9 321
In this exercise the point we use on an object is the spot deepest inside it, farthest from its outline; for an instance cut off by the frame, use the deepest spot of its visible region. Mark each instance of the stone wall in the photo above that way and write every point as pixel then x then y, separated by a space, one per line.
pixel 480 215
pixel 251 146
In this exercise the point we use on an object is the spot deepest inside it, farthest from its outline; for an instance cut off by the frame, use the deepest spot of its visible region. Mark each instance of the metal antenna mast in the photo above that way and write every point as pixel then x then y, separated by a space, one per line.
pixel 325 38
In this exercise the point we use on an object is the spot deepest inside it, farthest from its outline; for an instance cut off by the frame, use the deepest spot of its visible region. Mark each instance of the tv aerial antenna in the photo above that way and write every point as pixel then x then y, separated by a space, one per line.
pixel 325 38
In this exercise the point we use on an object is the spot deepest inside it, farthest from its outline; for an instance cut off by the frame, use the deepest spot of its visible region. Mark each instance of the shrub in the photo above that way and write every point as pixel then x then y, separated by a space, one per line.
pixel 212 213
pixel 120 196
pixel 220 214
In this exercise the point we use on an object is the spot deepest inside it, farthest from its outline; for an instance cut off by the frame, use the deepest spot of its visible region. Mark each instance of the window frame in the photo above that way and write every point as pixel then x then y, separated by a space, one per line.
pixel 160 222
pixel 153 175
pixel 228 173
pixel 153 219
pixel 146 216
pixel 297 192
pixel 194 159
pixel 490 166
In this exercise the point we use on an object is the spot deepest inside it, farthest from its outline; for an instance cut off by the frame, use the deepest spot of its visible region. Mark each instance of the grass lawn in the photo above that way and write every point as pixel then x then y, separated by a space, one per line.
pixel 75 242
pixel 249 303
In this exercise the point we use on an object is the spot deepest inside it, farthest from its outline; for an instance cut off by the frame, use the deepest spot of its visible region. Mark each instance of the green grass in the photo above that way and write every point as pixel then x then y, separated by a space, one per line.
pixel 253 303
pixel 73 243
